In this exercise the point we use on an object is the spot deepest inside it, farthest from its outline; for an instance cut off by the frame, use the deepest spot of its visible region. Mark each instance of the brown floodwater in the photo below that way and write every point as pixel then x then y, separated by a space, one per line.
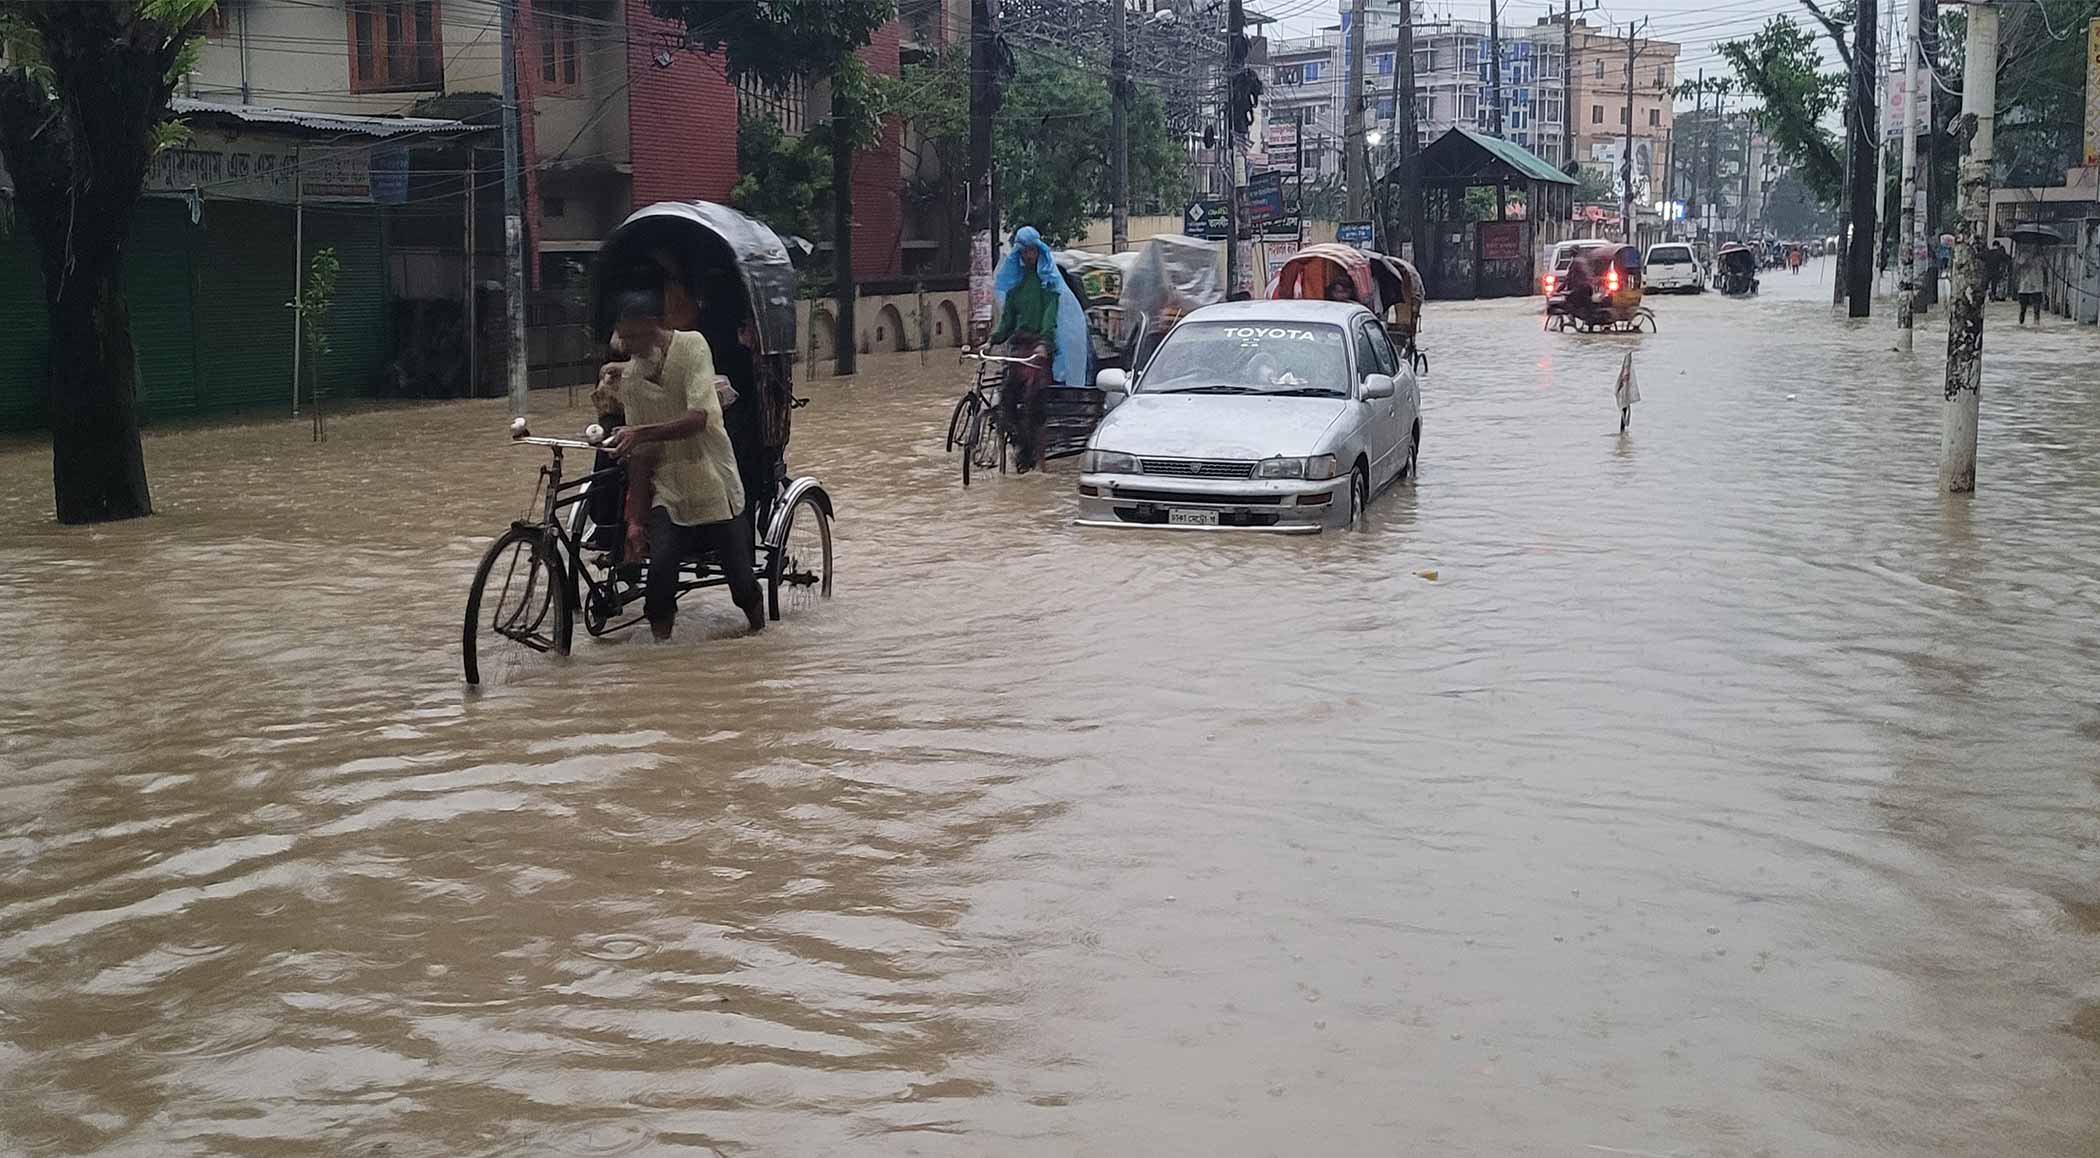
pixel 1727 792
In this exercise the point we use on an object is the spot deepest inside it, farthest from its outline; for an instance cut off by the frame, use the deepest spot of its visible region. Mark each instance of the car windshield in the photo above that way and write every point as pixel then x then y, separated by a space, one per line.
pixel 1668 253
pixel 1252 357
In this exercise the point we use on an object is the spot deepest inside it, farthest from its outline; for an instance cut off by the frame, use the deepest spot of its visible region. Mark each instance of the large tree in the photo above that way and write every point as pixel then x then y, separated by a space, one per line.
pixel 83 108
pixel 1050 140
pixel 780 44
pixel 1780 66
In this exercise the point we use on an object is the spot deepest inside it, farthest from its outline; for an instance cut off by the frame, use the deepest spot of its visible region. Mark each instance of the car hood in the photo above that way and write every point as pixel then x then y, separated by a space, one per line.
pixel 1231 426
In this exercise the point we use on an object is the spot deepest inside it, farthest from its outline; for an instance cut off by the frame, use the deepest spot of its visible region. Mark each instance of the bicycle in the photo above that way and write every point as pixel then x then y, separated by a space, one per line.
pixel 976 423
pixel 552 566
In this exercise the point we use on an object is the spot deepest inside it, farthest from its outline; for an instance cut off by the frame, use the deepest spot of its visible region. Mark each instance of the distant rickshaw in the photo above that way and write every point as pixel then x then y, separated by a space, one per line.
pixel 1387 286
pixel 1602 292
pixel 1737 270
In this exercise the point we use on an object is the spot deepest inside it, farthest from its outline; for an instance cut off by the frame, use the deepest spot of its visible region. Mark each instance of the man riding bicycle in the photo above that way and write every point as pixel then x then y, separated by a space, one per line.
pixel 1040 320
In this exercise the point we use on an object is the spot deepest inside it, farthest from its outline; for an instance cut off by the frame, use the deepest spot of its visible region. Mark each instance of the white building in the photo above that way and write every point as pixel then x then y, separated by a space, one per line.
pixel 1453 84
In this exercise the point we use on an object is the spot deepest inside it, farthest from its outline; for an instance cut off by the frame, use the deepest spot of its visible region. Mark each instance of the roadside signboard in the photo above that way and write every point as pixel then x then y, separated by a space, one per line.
pixel 1264 197
pixel 1274 254
pixel 1281 229
pixel 1361 234
pixel 1205 219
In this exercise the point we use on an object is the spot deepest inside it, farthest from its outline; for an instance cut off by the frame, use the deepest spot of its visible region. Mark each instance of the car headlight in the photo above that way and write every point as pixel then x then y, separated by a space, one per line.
pixel 1319 466
pixel 1108 462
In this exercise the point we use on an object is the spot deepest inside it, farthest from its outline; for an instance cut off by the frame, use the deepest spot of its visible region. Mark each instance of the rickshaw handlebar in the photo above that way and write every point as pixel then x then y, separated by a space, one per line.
pixel 974 356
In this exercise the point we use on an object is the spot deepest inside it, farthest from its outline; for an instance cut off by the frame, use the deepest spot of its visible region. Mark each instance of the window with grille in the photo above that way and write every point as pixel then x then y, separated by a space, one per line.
pixel 395 46
pixel 561 36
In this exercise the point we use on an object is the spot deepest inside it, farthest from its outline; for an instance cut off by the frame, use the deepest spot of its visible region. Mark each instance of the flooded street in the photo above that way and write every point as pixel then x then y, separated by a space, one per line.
pixel 1727 792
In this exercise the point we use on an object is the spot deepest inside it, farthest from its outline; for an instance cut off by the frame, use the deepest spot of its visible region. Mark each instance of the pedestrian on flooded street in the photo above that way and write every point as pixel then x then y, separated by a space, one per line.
pixel 2032 281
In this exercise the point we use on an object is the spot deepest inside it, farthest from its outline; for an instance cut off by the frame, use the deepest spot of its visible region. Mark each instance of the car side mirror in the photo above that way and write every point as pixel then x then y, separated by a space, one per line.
pixel 1113 381
pixel 1378 386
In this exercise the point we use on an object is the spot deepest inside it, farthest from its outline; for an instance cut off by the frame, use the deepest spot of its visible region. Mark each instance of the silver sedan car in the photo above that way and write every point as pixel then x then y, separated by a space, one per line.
pixel 1284 416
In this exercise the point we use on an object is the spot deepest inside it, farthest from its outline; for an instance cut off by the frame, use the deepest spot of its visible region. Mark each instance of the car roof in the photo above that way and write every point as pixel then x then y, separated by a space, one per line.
pixel 1273 310
pixel 1670 245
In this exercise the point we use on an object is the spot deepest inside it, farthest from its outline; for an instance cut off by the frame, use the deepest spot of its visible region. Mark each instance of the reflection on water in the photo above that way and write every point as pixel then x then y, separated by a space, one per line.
pixel 1728 792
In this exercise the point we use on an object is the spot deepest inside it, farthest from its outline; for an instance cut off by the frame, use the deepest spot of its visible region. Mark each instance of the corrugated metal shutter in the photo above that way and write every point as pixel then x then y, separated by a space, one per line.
pixel 157 289
pixel 361 323
pixel 25 335
pixel 245 330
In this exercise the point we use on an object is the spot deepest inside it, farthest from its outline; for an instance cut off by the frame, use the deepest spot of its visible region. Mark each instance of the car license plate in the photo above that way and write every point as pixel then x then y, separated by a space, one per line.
pixel 1192 518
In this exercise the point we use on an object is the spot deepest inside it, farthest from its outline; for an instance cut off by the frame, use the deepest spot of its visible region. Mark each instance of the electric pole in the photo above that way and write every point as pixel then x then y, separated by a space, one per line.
pixel 1907 269
pixel 1633 31
pixel 1495 67
pixel 1405 140
pixel 1567 86
pixel 1353 122
pixel 1119 98
pixel 1928 150
pixel 1865 195
pixel 1979 99
pixel 1691 169
pixel 513 220
pixel 1228 141
pixel 845 345
pixel 982 213
pixel 1713 160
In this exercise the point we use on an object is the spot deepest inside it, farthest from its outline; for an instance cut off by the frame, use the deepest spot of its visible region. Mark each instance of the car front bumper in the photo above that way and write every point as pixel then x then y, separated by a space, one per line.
pixel 1160 503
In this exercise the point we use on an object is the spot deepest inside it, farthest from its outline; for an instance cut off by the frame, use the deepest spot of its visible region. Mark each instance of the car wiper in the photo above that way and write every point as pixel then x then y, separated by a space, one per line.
pixel 1307 392
pixel 1207 390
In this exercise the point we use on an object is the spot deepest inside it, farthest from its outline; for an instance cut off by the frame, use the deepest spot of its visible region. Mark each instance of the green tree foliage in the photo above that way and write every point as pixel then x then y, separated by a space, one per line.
pixel 786 180
pixel 1594 185
pixel 316 298
pixel 1050 141
pixel 83 107
pixel 1781 67
pixel 779 42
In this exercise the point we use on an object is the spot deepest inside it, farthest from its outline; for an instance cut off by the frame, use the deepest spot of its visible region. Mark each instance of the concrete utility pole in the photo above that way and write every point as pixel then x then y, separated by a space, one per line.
pixel 513 219
pixel 1228 140
pixel 1567 84
pixel 1979 98
pixel 1404 131
pixel 1928 150
pixel 1907 269
pixel 982 213
pixel 1865 198
pixel 1119 100
pixel 845 294
pixel 1353 121
pixel 1495 67
pixel 1691 169
pixel 1633 31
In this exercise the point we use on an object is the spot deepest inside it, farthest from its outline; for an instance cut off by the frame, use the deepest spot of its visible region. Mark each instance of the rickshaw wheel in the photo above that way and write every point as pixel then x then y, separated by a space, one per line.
pixel 959 420
pixel 801 562
pixel 529 609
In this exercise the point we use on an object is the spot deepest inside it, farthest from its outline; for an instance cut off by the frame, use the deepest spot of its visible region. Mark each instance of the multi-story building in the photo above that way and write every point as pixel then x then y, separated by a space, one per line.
pixel 370 127
pixel 1606 102
pixel 1454 82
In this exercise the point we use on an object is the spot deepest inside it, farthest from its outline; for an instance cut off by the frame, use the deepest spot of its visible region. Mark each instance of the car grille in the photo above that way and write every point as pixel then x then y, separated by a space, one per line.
pixel 1198 498
pixel 1198 468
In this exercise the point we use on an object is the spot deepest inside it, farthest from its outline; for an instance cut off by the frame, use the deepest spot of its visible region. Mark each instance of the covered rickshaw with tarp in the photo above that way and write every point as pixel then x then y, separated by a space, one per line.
pixel 1172 276
pixel 728 277
pixel 1385 285
pixel 1601 291
pixel 1736 270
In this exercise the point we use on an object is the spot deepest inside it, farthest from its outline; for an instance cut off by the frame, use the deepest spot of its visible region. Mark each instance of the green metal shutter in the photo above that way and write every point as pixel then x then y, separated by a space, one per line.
pixel 245 343
pixel 361 322
pixel 157 290
pixel 25 335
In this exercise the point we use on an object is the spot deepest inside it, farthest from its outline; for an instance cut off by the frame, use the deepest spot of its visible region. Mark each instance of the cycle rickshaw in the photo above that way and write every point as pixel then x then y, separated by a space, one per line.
pixel 1387 286
pixel 559 563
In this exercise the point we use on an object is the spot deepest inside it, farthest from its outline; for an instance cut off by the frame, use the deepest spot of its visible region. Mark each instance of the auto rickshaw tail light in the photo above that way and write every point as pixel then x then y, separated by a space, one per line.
pixel 1611 280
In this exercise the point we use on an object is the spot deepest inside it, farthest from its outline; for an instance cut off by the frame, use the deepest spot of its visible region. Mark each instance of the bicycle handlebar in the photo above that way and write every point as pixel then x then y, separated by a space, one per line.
pixel 593 437
pixel 1035 359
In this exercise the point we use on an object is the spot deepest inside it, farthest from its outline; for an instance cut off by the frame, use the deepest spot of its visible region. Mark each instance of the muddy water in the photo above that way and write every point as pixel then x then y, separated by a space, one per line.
pixel 1727 793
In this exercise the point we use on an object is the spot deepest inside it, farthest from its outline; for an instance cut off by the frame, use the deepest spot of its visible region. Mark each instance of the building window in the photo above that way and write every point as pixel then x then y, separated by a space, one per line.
pixel 1622 114
pixel 1385 63
pixel 1312 70
pixel 1662 72
pixel 1600 70
pixel 1655 115
pixel 394 46
pixel 1597 114
pixel 784 107
pixel 560 28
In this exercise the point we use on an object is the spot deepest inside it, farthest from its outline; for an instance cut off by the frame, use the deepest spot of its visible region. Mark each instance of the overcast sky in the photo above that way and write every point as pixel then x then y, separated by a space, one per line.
pixel 1698 27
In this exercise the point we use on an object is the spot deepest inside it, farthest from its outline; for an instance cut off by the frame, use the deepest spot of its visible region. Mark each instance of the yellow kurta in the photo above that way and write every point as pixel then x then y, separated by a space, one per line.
pixel 696 478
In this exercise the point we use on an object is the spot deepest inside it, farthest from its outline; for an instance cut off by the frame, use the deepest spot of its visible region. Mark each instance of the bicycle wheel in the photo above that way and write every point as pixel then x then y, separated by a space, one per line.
pixel 988 447
pixel 801 568
pixel 519 604
pixel 959 418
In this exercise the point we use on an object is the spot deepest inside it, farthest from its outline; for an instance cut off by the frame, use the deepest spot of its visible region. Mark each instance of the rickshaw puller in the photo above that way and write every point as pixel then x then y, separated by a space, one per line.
pixel 681 465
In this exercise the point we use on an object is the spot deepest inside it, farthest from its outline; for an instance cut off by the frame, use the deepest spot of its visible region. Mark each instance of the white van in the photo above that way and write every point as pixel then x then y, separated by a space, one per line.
pixel 1673 267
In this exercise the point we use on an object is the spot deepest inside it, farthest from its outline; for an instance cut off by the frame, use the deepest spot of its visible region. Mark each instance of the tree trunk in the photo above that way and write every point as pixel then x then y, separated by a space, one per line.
pixel 848 361
pixel 98 470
